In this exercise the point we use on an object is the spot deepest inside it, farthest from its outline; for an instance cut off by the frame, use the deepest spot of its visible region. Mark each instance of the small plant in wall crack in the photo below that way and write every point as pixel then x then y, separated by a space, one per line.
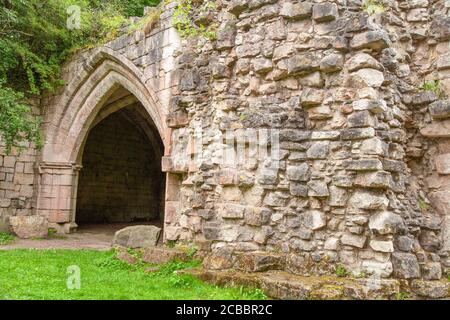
pixel 373 7
pixel 402 295
pixel 434 86
pixel 423 205
pixel 183 19
pixel 341 271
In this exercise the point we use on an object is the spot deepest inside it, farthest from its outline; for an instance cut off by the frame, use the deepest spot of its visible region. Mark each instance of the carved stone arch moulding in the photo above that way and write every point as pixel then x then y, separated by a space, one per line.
pixel 67 125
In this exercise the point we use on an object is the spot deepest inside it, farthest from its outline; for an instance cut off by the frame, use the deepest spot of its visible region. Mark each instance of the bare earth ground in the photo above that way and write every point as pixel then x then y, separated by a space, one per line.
pixel 88 236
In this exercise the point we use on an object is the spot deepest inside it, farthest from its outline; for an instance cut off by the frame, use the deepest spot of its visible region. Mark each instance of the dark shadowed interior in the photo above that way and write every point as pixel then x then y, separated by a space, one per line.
pixel 121 179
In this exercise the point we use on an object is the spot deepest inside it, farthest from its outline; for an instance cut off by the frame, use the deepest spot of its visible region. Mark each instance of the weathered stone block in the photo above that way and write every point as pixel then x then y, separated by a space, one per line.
pixel 314 219
pixel 219 260
pixel 377 268
pixel 382 246
pixel 313 79
pixel 368 200
pixel 404 243
pixel 257 216
pixel 429 240
pixel 298 10
pixel 366 78
pixel 331 244
pixel 299 190
pixel 332 63
pixel 385 222
pixel 177 119
pixel 259 261
pixel 323 12
pixel 364 165
pixel 226 37
pixel 405 265
pixel 161 255
pixel 373 146
pixel 437 129
pixel 441 28
pixel 423 98
pixel 137 236
pixel 318 150
pixel 302 63
pixel 322 112
pixel 440 109
pixel 311 97
pixel 380 179
pixel 228 177
pixel 211 230
pixel 374 106
pixel 268 176
pixel 375 40
pixel 443 163
pixel 276 199
pixel 431 271
pixel 443 62
pixel 360 119
pixel 338 196
pixel 431 289
pixel 317 188
pixel 358 133
pixel 232 211
pixel 262 65
pixel 361 61
pixel 247 50
pixel 353 240
pixel 27 227
pixel 298 173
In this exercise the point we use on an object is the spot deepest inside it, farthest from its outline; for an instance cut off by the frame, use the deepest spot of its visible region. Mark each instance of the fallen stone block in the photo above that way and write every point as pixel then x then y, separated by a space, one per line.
pixel 26 227
pixel 137 236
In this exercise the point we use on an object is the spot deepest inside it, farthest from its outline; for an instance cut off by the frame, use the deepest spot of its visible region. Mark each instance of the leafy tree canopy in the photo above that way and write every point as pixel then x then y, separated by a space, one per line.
pixel 34 42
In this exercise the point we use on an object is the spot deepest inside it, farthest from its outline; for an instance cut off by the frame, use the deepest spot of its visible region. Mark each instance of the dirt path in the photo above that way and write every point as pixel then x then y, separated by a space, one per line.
pixel 94 237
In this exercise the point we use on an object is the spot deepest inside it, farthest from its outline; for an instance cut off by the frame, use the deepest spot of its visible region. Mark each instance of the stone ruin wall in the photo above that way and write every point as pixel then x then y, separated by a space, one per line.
pixel 17 179
pixel 363 162
pixel 344 90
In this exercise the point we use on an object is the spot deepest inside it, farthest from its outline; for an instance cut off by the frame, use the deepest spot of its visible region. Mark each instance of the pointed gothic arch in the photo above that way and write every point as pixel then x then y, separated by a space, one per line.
pixel 72 115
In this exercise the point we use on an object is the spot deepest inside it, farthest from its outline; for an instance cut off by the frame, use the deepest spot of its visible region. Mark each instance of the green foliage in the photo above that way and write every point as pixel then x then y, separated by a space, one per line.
pixel 112 263
pixel 423 205
pixel 35 41
pixel 53 234
pixel 182 19
pixel 402 295
pixel 253 293
pixel 171 243
pixel 6 238
pixel 192 251
pixel 42 274
pixel 16 122
pixel 149 20
pixel 341 271
pixel 373 7
pixel 434 86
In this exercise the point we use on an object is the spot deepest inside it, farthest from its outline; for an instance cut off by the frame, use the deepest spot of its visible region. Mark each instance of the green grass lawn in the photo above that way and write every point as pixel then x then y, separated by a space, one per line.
pixel 43 274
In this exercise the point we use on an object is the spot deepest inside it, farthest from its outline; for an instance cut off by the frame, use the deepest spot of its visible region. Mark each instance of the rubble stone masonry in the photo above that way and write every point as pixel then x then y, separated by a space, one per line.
pixel 362 174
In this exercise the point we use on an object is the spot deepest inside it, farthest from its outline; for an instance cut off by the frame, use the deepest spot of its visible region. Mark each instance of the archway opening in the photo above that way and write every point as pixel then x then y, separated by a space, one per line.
pixel 121 182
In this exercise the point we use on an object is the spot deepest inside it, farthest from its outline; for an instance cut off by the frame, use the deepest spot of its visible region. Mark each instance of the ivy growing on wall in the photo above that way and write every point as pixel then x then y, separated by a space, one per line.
pixel 35 41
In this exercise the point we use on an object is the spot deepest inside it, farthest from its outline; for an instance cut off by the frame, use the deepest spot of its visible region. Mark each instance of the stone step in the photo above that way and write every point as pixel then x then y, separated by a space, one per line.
pixel 283 285
pixel 161 255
